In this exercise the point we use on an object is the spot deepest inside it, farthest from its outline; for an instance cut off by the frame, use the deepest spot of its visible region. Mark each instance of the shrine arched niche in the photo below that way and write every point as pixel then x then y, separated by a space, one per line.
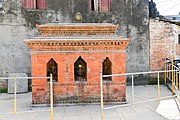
pixel 52 67
pixel 107 68
pixel 80 70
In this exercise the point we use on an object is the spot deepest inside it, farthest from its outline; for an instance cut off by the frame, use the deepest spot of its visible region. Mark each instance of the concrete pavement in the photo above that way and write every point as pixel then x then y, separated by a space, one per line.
pixel 143 111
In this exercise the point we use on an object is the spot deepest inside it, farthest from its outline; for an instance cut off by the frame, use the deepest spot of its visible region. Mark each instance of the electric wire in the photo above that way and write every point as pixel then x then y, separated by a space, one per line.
pixel 166 5
pixel 169 3
pixel 162 1
pixel 171 7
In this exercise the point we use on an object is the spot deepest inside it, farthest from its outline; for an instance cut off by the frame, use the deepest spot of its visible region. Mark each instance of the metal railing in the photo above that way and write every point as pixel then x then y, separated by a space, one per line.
pixel 172 76
pixel 171 73
pixel 174 85
pixel 15 95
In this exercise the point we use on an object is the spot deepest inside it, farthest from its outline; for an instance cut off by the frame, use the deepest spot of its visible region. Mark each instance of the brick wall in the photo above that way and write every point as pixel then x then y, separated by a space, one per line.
pixel 163 37
pixel 3 83
pixel 69 90
pixel 178 49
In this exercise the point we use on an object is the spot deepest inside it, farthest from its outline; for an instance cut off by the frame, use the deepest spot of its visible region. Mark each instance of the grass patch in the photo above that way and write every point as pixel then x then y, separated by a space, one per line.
pixel 3 90
pixel 154 81
pixel 29 88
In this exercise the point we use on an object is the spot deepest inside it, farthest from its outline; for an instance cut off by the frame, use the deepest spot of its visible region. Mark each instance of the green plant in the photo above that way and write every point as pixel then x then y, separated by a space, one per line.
pixel 154 80
pixel 29 88
pixel 3 89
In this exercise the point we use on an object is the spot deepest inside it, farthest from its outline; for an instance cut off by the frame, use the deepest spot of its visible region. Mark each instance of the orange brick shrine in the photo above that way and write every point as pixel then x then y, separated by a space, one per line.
pixel 75 54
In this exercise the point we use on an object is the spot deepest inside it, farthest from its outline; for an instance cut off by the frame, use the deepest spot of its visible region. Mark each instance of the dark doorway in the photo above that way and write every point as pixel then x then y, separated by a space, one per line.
pixel 80 70
pixel 52 67
pixel 107 68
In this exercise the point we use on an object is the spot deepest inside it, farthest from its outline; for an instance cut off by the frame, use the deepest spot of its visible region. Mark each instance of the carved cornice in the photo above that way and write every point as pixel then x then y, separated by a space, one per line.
pixel 76 29
pixel 86 37
pixel 75 45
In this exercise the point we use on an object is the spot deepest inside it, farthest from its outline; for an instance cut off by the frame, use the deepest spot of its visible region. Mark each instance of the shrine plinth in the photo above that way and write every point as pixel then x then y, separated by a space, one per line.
pixel 76 57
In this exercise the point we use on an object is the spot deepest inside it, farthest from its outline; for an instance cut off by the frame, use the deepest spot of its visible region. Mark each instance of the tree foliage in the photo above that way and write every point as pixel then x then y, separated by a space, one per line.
pixel 153 13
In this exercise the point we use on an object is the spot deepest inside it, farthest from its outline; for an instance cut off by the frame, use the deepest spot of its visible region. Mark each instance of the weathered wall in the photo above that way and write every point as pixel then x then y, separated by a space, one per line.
pixel 177 51
pixel 163 41
pixel 17 24
pixel 15 56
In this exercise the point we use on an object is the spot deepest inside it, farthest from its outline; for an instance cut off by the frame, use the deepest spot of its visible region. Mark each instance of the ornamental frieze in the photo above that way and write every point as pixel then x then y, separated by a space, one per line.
pixel 81 49
pixel 77 43
pixel 77 32
pixel 78 26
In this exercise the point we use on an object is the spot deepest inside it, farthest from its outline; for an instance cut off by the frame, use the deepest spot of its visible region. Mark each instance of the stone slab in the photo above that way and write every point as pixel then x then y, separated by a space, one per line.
pixel 22 84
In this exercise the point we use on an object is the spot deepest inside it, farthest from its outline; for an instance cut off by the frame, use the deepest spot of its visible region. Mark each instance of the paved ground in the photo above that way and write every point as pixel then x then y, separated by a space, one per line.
pixel 169 109
pixel 143 111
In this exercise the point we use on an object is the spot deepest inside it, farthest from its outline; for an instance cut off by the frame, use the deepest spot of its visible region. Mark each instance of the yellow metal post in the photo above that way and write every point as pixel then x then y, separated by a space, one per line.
pixel 172 78
pixel 169 71
pixel 176 79
pixel 165 74
pixel 179 78
pixel 101 91
pixel 133 100
pixel 158 88
pixel 168 74
pixel 179 84
pixel 51 97
pixel 15 92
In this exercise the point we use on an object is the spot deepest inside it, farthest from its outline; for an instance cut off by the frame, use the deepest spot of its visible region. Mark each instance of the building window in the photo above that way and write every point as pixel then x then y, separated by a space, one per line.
pixel 179 39
pixel 107 69
pixel 80 70
pixel 52 67
pixel 92 5
pixel 34 4
pixel 1 4
pixel 104 5
pixel 100 5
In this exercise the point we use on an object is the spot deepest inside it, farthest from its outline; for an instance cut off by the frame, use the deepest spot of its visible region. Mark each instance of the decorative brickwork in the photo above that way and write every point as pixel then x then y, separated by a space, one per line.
pixel 78 29
pixel 74 45
pixel 65 51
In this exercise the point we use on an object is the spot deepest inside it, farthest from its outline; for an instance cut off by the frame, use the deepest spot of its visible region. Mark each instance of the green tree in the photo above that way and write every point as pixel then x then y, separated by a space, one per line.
pixel 153 13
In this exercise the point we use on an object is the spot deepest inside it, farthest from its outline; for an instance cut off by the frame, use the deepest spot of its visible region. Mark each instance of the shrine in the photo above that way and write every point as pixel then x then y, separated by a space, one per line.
pixel 76 54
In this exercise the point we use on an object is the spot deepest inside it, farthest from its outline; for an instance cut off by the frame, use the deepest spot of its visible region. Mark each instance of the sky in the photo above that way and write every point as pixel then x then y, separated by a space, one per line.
pixel 168 7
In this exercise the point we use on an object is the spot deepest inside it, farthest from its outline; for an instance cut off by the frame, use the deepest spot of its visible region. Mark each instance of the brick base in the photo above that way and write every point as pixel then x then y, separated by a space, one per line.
pixel 79 93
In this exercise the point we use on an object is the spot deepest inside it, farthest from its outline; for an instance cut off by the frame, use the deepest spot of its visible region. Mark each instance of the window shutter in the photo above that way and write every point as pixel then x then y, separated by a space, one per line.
pixel 41 4
pixel 29 4
pixel 104 5
pixel 91 5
